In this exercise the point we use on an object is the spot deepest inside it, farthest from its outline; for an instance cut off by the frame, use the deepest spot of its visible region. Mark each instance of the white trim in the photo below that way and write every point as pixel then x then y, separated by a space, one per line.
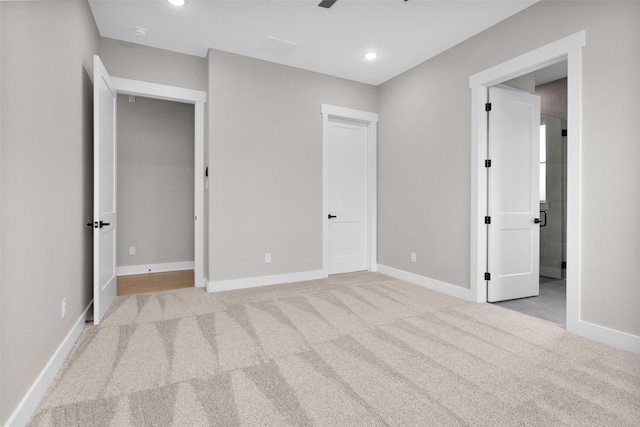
pixel 348 113
pixel 552 272
pixel 619 339
pixel 426 282
pixel 198 98
pixel 574 179
pixel 569 48
pixel 371 120
pixel 127 270
pixel 198 200
pixel 28 405
pixel 253 282
pixel 158 91
pixel 542 57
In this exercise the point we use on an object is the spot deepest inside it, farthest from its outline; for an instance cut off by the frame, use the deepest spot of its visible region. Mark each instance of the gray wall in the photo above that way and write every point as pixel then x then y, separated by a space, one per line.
pixel 424 153
pixel 46 190
pixel 2 417
pixel 137 62
pixel 265 163
pixel 155 181
pixel 553 98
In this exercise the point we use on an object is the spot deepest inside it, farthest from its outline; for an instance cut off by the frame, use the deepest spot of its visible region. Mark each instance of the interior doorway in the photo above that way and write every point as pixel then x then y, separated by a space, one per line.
pixel 348 214
pixel 155 194
pixel 359 127
pixel 197 99
pixel 549 302
pixel 106 90
pixel 567 49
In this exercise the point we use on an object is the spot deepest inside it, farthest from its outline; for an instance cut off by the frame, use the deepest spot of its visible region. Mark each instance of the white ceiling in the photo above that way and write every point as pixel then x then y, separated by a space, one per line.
pixel 551 73
pixel 329 41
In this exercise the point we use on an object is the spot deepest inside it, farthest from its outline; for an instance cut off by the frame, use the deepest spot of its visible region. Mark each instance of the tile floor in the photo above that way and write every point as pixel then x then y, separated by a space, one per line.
pixel 550 305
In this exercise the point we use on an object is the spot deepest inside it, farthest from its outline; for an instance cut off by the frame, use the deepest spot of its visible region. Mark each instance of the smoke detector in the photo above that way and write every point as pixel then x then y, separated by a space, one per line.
pixel 139 31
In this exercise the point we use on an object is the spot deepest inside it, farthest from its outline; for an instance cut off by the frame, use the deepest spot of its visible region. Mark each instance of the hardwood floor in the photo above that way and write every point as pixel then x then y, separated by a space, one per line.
pixel 154 282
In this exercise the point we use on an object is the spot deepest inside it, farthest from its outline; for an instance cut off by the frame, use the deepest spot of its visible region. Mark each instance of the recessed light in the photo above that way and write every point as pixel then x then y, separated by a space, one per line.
pixel 370 56
pixel 177 2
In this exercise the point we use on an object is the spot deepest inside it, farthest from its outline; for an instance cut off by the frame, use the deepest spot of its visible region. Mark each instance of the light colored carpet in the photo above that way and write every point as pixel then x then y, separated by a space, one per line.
pixel 354 349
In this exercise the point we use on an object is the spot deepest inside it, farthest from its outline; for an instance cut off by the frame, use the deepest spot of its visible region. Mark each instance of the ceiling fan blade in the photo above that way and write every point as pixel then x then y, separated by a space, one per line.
pixel 327 3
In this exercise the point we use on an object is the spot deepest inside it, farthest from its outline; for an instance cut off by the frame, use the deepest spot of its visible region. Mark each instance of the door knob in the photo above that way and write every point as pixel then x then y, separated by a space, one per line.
pixel 104 224
pixel 537 221
pixel 332 216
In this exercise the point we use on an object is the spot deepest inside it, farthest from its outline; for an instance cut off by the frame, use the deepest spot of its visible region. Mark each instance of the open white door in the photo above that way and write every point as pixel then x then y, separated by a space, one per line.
pixel 104 191
pixel 514 196
pixel 347 170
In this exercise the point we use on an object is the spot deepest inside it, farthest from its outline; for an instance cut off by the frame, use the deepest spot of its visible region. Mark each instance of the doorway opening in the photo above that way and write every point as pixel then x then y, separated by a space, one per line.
pixel 550 85
pixel 568 49
pixel 359 127
pixel 106 90
pixel 195 100
pixel 155 194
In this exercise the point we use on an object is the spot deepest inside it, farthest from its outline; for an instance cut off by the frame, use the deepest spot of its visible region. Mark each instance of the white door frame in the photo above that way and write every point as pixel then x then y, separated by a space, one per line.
pixel 569 49
pixel 371 121
pixel 198 99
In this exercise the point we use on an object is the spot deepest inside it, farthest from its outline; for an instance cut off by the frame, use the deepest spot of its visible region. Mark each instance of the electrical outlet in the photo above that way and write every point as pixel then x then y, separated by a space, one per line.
pixel 413 257
pixel 64 307
pixel 132 250
pixel 267 258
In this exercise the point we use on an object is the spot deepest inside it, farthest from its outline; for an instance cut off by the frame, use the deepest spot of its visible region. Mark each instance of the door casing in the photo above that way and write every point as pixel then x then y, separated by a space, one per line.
pixel 569 49
pixel 198 99
pixel 371 121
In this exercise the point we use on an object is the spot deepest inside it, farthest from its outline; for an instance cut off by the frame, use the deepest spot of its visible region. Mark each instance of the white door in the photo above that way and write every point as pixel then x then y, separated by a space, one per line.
pixel 104 191
pixel 347 170
pixel 514 197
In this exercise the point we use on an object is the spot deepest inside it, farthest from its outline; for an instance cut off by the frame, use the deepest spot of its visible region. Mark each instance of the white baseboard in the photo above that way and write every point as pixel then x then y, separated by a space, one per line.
pixel 253 282
pixel 433 284
pixel 154 268
pixel 553 272
pixel 612 337
pixel 31 400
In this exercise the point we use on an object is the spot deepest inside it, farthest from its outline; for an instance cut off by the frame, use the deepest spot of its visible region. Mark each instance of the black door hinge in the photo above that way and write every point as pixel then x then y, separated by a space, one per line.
pixel 564 132
pixel 487 220
pixel 487 163
pixel 487 276
pixel 487 106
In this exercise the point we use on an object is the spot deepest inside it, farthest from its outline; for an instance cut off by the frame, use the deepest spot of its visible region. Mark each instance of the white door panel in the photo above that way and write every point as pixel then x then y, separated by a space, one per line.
pixel 347 168
pixel 514 237
pixel 104 187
